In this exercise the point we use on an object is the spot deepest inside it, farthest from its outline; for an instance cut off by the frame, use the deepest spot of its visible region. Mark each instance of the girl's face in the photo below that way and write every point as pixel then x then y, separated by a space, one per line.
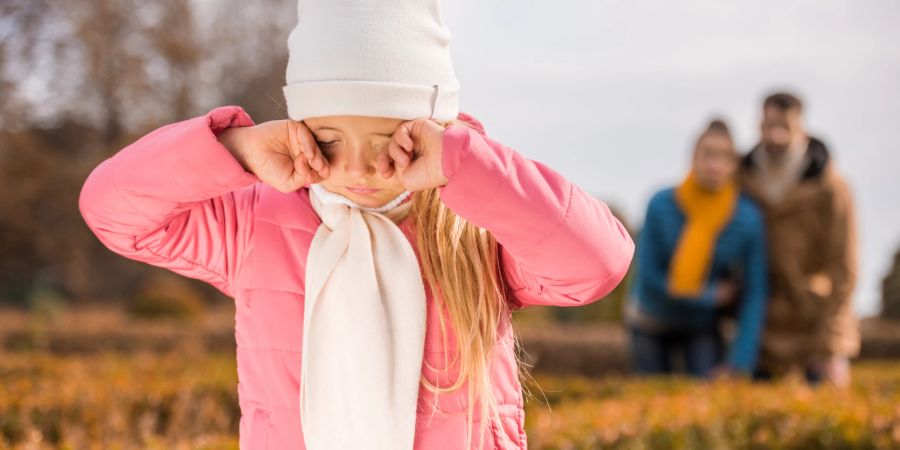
pixel 351 144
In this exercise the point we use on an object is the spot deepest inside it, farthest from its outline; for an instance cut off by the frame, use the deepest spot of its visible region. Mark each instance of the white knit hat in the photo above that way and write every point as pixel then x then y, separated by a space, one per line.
pixel 382 58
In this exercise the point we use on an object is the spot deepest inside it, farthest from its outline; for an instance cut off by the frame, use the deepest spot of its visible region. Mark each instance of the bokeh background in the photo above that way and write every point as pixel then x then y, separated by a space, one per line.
pixel 100 352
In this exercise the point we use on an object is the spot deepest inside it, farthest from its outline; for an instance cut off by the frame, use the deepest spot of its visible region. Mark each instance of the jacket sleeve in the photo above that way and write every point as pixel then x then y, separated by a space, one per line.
pixel 177 199
pixel 744 351
pixel 653 259
pixel 840 269
pixel 558 245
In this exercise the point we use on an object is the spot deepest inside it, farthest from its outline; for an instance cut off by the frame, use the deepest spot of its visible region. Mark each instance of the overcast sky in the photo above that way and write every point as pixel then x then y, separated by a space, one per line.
pixel 613 93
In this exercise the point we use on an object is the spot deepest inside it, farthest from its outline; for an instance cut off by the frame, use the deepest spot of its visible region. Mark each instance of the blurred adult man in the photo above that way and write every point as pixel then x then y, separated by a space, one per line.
pixel 809 214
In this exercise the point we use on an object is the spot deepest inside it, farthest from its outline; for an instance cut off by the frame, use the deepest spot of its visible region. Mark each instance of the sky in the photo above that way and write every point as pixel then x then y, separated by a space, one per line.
pixel 612 94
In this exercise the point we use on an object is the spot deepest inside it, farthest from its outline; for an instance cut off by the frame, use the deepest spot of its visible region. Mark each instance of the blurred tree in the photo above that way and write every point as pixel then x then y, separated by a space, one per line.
pixel 890 291
pixel 80 80
pixel 44 245
pixel 251 49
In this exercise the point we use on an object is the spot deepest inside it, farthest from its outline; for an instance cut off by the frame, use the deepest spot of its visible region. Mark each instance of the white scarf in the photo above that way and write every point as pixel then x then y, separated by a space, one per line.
pixel 364 328
pixel 782 175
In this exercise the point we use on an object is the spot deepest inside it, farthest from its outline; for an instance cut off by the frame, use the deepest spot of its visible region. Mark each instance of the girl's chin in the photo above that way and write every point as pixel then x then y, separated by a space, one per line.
pixel 371 200
pixel 368 199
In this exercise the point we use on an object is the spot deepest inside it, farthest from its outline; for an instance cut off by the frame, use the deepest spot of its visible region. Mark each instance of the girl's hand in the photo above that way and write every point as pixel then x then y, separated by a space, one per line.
pixel 414 154
pixel 282 153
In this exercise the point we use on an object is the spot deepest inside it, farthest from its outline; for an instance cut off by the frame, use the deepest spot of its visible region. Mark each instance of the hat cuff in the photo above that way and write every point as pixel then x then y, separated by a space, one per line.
pixel 371 98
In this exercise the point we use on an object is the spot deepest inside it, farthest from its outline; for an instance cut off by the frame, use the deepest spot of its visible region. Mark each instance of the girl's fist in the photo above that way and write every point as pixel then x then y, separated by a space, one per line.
pixel 414 155
pixel 282 153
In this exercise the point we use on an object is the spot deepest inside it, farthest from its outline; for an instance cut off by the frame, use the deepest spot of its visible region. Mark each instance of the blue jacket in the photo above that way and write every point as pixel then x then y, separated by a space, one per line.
pixel 740 254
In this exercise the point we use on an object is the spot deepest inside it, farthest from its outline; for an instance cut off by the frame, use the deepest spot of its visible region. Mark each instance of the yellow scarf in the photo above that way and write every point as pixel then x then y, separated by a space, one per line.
pixel 706 214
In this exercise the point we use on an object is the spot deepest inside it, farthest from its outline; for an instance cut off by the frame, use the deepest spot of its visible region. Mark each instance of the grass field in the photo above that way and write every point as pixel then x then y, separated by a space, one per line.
pixel 186 400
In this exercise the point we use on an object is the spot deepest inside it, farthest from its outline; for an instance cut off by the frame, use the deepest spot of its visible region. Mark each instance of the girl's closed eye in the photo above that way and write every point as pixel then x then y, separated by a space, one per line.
pixel 326 147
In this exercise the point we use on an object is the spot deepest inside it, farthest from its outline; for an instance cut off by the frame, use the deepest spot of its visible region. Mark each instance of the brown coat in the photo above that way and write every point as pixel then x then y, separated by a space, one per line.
pixel 811 236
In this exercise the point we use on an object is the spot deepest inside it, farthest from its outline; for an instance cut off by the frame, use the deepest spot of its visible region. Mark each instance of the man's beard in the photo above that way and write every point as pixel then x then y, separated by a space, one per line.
pixel 776 153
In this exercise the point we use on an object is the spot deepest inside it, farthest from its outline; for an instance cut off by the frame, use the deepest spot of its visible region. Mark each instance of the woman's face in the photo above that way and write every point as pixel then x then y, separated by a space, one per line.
pixel 715 160
pixel 351 144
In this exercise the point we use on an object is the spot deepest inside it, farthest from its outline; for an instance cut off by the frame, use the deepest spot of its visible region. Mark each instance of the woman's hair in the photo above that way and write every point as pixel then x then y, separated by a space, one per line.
pixel 461 264
pixel 716 126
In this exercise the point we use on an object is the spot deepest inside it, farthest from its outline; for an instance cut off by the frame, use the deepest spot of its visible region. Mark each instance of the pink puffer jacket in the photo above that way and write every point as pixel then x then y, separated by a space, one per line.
pixel 177 199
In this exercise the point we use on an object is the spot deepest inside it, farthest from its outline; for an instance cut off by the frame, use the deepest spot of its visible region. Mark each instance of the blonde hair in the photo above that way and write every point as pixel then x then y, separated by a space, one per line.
pixel 462 267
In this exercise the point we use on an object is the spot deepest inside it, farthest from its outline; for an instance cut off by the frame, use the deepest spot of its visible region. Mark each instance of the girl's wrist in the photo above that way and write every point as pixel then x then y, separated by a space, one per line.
pixel 230 138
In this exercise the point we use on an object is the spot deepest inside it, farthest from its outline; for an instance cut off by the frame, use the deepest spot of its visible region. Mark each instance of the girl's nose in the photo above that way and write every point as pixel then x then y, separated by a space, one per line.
pixel 360 163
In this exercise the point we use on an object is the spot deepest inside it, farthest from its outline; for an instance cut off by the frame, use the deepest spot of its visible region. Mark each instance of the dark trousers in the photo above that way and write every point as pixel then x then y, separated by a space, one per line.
pixel 813 376
pixel 695 352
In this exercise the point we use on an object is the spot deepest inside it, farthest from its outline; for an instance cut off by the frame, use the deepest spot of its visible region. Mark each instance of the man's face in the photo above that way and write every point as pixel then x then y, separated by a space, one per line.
pixel 781 130
pixel 351 145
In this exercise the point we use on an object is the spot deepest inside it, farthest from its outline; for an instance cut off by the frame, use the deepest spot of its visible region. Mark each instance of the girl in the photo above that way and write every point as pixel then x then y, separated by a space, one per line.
pixel 702 245
pixel 375 243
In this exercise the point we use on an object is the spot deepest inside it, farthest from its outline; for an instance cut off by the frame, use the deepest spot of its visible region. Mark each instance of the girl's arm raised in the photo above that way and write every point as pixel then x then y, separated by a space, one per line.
pixel 559 245
pixel 176 198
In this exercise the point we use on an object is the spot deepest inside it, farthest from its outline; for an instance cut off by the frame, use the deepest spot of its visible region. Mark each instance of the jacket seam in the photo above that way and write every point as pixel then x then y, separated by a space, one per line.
pixel 267 349
pixel 281 225
pixel 224 281
pixel 150 250
pixel 565 216
pixel 466 150
pixel 504 179
pixel 250 223
pixel 262 288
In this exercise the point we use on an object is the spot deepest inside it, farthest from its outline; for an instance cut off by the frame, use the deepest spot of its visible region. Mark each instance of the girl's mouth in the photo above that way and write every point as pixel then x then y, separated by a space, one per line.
pixel 362 191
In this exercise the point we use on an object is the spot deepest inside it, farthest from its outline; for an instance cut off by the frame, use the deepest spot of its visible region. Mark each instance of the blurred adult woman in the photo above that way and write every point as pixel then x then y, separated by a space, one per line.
pixel 701 253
